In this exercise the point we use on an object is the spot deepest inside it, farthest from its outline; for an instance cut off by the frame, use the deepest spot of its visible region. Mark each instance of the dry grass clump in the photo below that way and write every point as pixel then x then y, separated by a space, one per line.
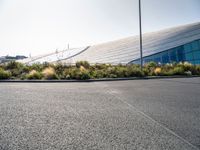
pixel 32 72
pixel 158 71
pixel 49 73
pixel 33 75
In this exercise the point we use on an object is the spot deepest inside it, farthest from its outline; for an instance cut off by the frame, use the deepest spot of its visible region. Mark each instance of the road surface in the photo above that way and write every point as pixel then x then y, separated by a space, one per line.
pixel 121 115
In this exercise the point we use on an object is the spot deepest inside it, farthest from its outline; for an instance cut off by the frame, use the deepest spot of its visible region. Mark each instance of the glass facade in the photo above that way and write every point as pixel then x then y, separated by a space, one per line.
pixel 189 52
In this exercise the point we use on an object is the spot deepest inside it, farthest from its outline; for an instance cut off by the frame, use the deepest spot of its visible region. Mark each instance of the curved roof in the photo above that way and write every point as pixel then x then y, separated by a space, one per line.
pixel 127 50
pixel 55 56
pixel 124 50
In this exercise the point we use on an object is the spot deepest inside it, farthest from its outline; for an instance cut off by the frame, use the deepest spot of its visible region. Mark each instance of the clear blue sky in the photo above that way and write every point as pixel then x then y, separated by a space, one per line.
pixel 41 26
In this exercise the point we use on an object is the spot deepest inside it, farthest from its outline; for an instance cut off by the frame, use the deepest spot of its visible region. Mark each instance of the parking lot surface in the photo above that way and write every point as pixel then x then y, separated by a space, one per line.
pixel 159 114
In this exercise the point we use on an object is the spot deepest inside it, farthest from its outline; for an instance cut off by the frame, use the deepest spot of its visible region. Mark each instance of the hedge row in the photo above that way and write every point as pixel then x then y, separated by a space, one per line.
pixel 83 70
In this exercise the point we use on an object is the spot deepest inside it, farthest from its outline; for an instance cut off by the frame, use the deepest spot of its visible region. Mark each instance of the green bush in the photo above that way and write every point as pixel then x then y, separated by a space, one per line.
pixel 134 71
pixel 198 70
pixel 37 67
pixel 102 66
pixel 74 73
pixel 13 65
pixel 79 74
pixel 177 71
pixel 150 68
pixel 4 74
pixel 98 74
pixel 85 75
pixel 34 75
pixel 121 72
pixel 66 73
pixel 59 69
pixel 151 65
pixel 16 68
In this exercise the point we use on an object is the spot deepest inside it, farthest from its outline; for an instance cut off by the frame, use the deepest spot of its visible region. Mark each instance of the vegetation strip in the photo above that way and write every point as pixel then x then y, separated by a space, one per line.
pixel 84 71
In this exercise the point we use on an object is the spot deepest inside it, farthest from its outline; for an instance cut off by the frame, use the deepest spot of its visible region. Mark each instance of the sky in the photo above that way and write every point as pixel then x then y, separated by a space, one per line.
pixel 41 26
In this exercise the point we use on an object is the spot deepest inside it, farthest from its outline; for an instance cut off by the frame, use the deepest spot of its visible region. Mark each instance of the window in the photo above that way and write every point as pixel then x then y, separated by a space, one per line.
pixel 147 60
pixel 172 55
pixel 157 60
pixel 195 45
pixel 151 57
pixel 136 61
pixel 199 44
pixel 189 52
pixel 196 54
pixel 165 57
pixel 180 50
pixel 197 62
pixel 189 56
pixel 187 48
pixel 180 53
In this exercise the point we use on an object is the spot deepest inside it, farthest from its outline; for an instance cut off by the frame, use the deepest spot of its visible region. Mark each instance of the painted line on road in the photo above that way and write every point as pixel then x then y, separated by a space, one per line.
pixel 114 92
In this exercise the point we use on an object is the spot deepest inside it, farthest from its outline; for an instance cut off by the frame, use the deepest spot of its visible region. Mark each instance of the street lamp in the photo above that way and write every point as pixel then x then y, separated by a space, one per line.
pixel 140 24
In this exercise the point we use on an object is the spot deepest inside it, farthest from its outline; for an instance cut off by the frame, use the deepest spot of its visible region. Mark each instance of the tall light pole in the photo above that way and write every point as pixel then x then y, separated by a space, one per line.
pixel 140 24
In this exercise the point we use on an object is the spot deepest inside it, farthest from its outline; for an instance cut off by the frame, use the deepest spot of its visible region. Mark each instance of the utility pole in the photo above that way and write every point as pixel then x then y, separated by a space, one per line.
pixel 140 24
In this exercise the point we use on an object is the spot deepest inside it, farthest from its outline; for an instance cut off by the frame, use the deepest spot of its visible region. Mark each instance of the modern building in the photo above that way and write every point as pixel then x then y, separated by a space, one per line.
pixel 178 44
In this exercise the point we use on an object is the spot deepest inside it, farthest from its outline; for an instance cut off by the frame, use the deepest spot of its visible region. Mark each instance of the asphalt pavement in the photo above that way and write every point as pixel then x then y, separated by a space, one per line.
pixel 159 114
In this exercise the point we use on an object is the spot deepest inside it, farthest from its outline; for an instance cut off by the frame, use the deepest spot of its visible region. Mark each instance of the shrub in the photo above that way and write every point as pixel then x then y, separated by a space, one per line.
pixel 37 67
pixel 85 75
pixel 98 74
pixel 188 73
pixel 151 65
pixel 13 65
pixel 145 72
pixel 49 73
pixel 16 68
pixel 150 68
pixel 198 69
pixel 101 66
pixel 85 64
pixel 59 69
pixel 79 74
pixel 33 75
pixel 134 71
pixel 177 71
pixel 121 72
pixel 187 66
pixel 4 74
pixel 66 73
pixel 16 72
pixel 74 73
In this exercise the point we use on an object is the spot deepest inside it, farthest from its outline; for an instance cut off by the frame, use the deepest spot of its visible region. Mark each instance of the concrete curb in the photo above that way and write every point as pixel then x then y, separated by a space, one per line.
pixel 96 80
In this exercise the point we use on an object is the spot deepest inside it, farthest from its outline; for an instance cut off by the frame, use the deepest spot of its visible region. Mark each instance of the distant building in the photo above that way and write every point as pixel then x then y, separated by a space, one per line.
pixel 4 59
